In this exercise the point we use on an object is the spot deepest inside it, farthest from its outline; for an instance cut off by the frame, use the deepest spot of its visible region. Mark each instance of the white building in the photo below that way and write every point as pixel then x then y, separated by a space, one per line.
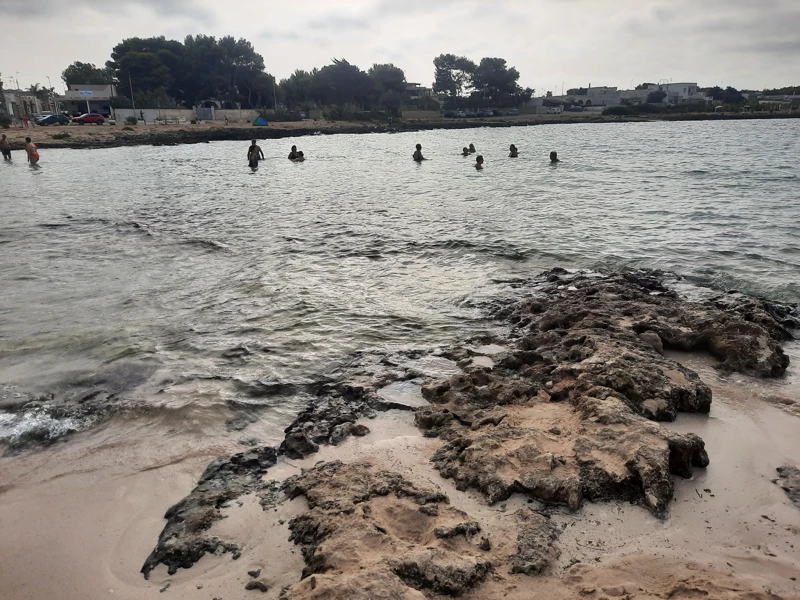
pixel 680 93
pixel 416 91
pixel 81 98
pixel 22 103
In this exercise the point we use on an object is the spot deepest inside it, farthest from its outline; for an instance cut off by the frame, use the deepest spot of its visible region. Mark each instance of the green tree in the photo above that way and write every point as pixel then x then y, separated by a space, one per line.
pixel 495 80
pixel 341 83
pixel 644 86
pixel 656 97
pixel 453 75
pixel 388 87
pixel 296 90
pixel 86 73
pixel 149 64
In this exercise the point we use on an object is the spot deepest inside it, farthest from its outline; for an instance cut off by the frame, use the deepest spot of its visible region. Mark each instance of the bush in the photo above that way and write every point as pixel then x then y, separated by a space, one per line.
pixel 131 120
pixel 618 111
pixel 61 136
pixel 427 103
pixel 5 122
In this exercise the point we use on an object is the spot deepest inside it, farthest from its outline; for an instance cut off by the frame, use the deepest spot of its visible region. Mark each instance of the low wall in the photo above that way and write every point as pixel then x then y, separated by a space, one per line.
pixel 151 115
pixel 236 115
pixel 421 114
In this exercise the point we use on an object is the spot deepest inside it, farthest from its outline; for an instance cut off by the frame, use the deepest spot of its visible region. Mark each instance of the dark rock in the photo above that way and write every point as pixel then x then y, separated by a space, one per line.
pixel 359 430
pixel 254 574
pixel 440 571
pixel 536 547
pixel 297 445
pixel 184 540
pixel 789 480
pixel 257 584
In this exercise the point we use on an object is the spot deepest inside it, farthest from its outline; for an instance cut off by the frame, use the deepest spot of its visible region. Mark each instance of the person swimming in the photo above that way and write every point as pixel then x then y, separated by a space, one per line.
pixel 465 151
pixel 254 154
pixel 513 152
pixel 417 156
pixel 554 157
pixel 479 162
pixel 472 149
pixel 293 154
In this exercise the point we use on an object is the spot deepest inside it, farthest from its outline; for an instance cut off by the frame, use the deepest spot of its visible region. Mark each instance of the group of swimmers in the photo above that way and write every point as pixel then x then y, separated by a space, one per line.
pixel 30 148
pixel 513 152
pixel 255 155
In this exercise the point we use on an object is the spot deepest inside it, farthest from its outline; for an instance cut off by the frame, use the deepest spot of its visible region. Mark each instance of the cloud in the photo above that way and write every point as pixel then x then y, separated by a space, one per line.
pixel 336 22
pixel 270 34
pixel 49 8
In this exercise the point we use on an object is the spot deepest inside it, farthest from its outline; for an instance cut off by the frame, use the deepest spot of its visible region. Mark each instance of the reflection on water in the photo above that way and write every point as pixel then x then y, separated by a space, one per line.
pixel 213 279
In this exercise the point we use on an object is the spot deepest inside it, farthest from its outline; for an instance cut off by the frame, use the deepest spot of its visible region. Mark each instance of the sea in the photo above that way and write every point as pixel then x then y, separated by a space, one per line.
pixel 178 279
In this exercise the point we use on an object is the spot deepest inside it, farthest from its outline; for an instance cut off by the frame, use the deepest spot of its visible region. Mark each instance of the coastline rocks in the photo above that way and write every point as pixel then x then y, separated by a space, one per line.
pixel 789 481
pixel 184 540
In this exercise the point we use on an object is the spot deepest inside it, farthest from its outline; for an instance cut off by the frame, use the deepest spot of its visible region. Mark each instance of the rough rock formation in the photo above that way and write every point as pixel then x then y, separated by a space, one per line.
pixel 789 480
pixel 367 524
pixel 567 414
pixel 565 409
pixel 184 539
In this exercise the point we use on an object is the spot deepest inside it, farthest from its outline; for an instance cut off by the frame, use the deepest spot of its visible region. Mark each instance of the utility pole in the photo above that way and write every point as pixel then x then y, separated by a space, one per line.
pixel 274 95
pixel 133 100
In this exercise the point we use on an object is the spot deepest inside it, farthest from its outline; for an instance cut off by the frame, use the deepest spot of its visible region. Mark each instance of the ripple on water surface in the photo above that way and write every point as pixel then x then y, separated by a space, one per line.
pixel 174 257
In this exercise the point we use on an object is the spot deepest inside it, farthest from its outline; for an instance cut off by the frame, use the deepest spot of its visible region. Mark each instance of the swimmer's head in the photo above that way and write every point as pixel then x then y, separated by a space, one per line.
pixel 300 153
pixel 254 142
pixel 554 157
pixel 472 146
pixel 419 146
pixel 294 148
pixel 479 159
pixel 27 139
pixel 513 147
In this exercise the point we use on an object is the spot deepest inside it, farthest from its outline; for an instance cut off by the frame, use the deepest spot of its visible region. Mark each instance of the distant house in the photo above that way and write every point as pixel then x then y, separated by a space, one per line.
pixel 415 91
pixel 82 98
pixel 680 93
pixel 22 103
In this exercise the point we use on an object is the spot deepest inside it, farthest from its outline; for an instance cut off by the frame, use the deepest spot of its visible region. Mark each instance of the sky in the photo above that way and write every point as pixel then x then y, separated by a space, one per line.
pixel 753 44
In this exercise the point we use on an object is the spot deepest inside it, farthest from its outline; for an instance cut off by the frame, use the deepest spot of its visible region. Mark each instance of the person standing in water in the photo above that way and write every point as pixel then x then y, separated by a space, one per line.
pixel 513 152
pixel 465 151
pixel 472 149
pixel 554 158
pixel 254 154
pixel 417 156
pixel 300 157
pixel 33 152
pixel 293 153
pixel 479 162
pixel 5 147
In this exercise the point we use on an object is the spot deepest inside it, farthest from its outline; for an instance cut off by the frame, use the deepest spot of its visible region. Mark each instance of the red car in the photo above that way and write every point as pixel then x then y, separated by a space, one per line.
pixel 89 118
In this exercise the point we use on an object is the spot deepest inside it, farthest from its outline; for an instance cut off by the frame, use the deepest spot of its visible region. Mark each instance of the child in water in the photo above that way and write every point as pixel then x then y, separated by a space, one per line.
pixel 513 152
pixel 417 156
pixel 465 151
pixel 479 162
pixel 299 157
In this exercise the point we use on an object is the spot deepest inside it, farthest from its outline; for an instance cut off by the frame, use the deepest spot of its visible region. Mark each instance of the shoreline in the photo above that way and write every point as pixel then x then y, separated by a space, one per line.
pixel 563 454
pixel 114 136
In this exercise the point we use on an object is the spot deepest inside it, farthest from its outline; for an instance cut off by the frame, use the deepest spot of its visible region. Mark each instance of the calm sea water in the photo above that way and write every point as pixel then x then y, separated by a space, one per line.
pixel 148 268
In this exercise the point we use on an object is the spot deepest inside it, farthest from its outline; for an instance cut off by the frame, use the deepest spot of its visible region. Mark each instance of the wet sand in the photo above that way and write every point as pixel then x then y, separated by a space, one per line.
pixel 78 519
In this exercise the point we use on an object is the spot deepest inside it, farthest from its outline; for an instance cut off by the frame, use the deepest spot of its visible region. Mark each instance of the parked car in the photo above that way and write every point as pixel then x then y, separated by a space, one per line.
pixel 513 112
pixel 471 115
pixel 450 114
pixel 53 120
pixel 89 118
pixel 461 114
pixel 553 110
pixel 484 113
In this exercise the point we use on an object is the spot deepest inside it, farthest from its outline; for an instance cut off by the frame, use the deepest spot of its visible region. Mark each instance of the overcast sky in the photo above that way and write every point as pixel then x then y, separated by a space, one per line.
pixel 744 43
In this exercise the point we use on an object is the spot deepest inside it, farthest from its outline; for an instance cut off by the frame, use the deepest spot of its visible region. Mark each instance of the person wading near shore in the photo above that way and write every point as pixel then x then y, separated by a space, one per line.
pixel 5 147
pixel 472 149
pixel 32 150
pixel 554 158
pixel 293 154
pixel 417 156
pixel 513 152
pixel 254 154
pixel 479 162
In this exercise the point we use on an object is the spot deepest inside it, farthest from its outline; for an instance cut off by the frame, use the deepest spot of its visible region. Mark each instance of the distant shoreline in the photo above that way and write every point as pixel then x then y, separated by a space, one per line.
pixel 114 136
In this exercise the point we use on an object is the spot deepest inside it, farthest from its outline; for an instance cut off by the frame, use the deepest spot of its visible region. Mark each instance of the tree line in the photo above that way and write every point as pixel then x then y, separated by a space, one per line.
pixel 157 71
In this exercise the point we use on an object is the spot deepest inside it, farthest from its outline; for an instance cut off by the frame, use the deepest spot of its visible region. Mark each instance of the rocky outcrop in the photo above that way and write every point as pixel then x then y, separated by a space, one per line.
pixel 184 539
pixel 789 480
pixel 569 413
pixel 566 409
